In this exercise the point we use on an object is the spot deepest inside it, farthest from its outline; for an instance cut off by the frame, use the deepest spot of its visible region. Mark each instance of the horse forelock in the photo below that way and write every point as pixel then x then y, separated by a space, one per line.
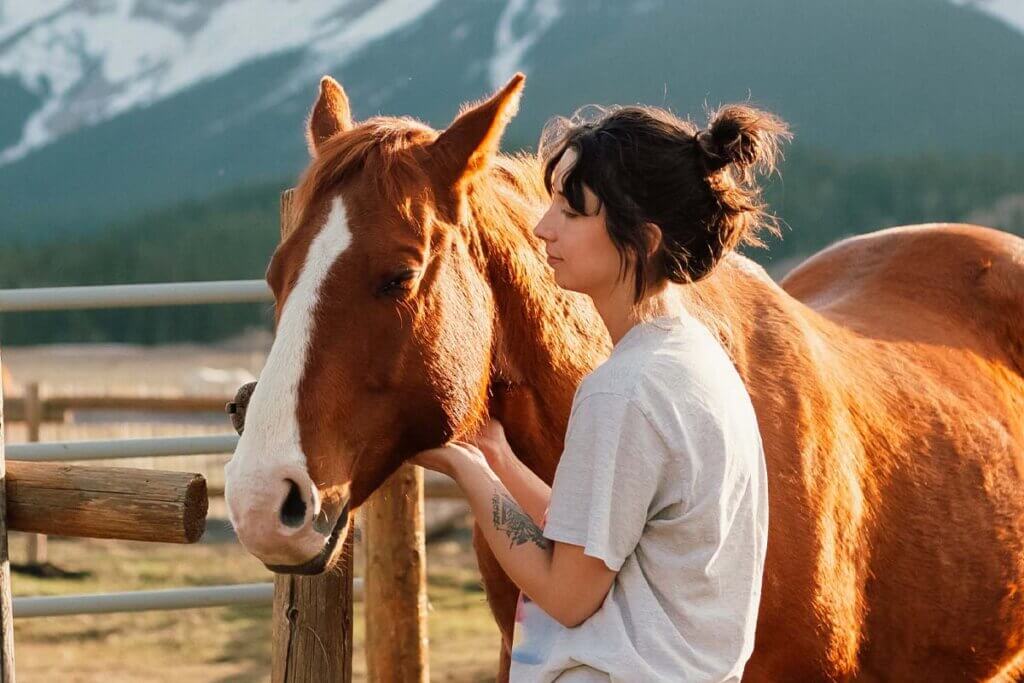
pixel 381 149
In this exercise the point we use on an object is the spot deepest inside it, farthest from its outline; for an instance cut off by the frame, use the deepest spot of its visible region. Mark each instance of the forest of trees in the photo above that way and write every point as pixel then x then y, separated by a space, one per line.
pixel 820 199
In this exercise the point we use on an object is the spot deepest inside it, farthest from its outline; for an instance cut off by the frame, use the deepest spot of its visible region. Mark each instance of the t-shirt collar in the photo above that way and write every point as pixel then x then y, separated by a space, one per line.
pixel 662 322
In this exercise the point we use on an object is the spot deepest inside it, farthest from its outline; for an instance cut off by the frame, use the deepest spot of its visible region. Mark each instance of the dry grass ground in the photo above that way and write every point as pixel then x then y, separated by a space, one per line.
pixel 214 644
pixel 225 643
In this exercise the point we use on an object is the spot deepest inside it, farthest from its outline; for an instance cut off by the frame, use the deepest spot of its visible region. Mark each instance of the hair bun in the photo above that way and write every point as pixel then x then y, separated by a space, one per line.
pixel 741 135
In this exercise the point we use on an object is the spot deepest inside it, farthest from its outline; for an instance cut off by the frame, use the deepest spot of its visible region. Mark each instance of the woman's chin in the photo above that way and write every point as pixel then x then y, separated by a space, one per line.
pixel 562 280
pixel 568 284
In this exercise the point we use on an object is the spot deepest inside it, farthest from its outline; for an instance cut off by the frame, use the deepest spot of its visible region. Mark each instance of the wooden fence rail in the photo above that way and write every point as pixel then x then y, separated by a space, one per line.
pixel 105 502
pixel 56 408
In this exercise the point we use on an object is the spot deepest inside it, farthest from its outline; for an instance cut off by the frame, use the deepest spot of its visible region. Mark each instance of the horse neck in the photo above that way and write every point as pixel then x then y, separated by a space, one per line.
pixel 755 320
pixel 546 339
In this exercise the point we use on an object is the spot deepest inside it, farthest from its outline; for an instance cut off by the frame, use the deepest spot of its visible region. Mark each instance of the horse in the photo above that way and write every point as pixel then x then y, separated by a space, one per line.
pixel 887 374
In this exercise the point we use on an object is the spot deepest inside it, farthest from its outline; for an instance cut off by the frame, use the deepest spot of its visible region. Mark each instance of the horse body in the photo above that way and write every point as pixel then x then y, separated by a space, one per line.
pixel 887 373
pixel 923 328
pixel 891 410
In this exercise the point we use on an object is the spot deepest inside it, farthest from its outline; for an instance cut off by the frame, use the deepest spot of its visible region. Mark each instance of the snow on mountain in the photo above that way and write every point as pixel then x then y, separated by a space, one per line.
pixel 1009 11
pixel 510 44
pixel 89 60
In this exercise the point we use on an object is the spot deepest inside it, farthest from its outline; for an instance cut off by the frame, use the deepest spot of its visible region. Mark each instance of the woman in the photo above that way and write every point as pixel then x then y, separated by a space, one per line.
pixel 643 561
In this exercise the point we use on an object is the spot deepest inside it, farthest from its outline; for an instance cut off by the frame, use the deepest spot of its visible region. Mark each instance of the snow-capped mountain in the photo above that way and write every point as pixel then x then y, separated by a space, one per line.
pixel 1009 11
pixel 133 103
pixel 91 60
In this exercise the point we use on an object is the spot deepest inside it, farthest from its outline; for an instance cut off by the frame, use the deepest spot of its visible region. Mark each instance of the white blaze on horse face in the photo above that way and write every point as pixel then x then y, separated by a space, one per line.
pixel 269 450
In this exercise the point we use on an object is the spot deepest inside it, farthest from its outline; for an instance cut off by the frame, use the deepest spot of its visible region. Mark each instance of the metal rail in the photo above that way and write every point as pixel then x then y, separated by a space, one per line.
pixel 64 451
pixel 146 601
pixel 128 296
pixel 141 601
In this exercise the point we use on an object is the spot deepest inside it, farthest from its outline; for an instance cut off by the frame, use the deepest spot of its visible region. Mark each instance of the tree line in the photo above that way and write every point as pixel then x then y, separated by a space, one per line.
pixel 819 198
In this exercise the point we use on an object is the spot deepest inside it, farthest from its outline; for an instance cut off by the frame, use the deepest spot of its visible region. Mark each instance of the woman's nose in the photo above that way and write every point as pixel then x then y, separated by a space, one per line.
pixel 542 231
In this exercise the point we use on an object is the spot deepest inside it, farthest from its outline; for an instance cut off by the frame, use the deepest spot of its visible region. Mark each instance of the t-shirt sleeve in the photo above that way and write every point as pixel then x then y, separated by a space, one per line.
pixel 606 479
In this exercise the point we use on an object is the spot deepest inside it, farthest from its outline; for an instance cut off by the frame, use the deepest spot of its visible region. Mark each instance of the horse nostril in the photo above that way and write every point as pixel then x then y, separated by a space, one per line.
pixel 293 512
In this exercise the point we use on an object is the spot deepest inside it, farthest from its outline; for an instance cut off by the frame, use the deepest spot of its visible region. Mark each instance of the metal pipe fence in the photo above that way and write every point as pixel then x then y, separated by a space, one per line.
pixel 124 296
pixel 130 296
pixel 195 597
pixel 141 601
pixel 64 451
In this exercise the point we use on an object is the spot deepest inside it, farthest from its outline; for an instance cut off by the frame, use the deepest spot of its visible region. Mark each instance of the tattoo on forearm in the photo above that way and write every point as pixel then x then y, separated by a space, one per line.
pixel 508 517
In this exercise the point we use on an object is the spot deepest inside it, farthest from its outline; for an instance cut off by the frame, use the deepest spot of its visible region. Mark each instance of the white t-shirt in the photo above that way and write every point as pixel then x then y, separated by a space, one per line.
pixel 663 478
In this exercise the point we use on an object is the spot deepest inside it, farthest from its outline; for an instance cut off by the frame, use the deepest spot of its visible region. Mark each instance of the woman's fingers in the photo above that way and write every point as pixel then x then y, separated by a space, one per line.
pixel 432 459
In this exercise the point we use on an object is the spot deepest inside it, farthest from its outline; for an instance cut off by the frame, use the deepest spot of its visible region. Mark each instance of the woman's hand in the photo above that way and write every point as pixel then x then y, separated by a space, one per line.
pixel 492 441
pixel 448 459
pixel 488 447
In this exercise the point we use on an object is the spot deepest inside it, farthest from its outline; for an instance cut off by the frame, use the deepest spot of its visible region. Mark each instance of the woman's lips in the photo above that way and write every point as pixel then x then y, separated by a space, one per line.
pixel 553 259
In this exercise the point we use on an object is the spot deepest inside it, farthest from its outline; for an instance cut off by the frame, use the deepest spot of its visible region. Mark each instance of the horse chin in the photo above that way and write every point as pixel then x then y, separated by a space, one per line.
pixel 328 555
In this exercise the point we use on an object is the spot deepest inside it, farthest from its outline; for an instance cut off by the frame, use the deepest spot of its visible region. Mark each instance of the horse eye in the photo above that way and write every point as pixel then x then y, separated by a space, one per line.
pixel 398 283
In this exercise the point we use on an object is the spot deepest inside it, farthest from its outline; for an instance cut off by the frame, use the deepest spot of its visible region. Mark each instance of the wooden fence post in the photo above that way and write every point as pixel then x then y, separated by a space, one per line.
pixel 312 619
pixel 395 579
pixel 6 610
pixel 312 624
pixel 33 418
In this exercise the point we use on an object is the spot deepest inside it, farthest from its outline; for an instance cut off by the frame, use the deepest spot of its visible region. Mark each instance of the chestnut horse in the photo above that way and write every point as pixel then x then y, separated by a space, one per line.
pixel 887 373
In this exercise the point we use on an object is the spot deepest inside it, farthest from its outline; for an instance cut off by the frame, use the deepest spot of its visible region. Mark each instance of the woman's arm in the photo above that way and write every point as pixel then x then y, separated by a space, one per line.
pixel 526 488
pixel 568 585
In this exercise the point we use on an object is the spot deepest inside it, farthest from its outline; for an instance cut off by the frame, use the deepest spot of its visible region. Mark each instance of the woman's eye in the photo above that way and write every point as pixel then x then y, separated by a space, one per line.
pixel 569 214
pixel 398 284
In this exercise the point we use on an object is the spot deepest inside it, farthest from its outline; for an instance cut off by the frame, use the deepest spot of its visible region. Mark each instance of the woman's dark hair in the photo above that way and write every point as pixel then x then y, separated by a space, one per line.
pixel 646 165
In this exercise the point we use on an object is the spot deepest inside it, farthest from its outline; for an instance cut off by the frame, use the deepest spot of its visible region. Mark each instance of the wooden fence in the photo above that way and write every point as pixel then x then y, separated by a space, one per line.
pixel 312 615
pixel 97 502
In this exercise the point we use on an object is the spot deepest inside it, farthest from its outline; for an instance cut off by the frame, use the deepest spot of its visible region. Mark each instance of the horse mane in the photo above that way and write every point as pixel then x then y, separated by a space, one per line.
pixel 509 197
pixel 379 147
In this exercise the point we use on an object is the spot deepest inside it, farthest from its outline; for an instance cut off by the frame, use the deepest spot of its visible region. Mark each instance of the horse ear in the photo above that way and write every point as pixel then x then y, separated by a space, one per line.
pixel 331 114
pixel 466 146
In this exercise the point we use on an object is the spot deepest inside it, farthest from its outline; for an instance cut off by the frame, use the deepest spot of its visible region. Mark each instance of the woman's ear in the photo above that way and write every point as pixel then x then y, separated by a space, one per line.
pixel 652 238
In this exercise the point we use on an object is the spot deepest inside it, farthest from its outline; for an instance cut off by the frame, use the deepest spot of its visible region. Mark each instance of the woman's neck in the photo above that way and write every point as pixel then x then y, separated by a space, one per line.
pixel 620 313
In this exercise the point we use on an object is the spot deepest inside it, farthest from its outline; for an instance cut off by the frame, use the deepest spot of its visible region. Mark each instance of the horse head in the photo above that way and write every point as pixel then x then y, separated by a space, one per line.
pixel 384 324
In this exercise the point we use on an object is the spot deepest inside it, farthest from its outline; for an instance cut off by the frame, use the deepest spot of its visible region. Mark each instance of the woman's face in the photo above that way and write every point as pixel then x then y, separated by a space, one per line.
pixel 578 247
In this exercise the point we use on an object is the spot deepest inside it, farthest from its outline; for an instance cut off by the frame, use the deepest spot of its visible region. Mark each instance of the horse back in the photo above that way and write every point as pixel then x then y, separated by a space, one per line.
pixel 941 283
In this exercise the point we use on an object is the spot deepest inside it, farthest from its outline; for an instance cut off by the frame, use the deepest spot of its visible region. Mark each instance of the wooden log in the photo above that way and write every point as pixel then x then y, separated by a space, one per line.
pixel 162 404
pixel 105 502
pixel 14 411
pixel 36 545
pixel 442 488
pixel 395 580
pixel 33 411
pixel 6 608
pixel 55 408
pixel 312 622
pixel 36 550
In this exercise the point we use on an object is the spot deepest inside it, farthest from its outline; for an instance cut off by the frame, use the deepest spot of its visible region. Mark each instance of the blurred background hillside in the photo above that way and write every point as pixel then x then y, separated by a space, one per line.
pixel 146 141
